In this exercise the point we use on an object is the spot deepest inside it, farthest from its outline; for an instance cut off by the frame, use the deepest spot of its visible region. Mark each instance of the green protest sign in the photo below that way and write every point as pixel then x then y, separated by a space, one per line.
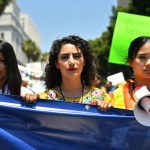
pixel 127 27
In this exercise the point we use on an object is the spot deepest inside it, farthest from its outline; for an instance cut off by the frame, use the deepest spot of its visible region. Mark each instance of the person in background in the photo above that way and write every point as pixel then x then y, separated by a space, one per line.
pixel 139 59
pixel 10 77
pixel 98 82
pixel 25 83
pixel 70 73
pixel 109 87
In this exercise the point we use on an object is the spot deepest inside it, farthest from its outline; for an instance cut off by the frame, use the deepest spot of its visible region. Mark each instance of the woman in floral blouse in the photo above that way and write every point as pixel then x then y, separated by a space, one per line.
pixel 69 74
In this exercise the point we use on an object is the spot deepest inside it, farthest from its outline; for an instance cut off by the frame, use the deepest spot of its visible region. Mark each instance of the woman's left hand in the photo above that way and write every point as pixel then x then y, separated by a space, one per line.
pixel 103 105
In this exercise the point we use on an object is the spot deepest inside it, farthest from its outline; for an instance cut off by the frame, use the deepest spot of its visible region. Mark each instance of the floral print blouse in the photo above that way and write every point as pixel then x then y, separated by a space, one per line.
pixel 89 97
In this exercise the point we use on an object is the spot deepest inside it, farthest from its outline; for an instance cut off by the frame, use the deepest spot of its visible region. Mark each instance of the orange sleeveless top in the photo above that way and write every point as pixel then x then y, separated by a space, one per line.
pixel 122 97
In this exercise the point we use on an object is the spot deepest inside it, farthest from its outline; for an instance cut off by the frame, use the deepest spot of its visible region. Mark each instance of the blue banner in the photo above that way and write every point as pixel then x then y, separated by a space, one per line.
pixel 56 125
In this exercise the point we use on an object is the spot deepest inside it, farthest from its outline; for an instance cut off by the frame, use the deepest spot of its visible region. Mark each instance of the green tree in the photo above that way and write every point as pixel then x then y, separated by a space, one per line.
pixel 44 57
pixel 139 7
pixel 31 50
pixel 3 4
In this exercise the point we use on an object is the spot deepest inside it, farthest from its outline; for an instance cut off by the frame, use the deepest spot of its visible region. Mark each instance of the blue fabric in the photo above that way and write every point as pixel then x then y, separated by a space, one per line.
pixel 53 125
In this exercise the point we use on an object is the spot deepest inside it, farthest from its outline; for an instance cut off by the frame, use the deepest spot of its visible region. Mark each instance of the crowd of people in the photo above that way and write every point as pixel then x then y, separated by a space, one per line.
pixel 70 74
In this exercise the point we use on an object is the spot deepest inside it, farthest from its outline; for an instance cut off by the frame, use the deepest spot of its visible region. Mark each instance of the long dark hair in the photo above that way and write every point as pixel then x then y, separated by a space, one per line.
pixel 52 74
pixel 13 77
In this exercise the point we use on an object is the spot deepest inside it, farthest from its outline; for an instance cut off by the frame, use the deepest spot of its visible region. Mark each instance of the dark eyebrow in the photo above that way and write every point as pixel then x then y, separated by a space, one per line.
pixel 69 53
pixel 64 54
pixel 143 54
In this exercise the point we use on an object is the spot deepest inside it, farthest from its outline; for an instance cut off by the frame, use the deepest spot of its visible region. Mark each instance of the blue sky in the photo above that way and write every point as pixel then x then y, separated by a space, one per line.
pixel 57 18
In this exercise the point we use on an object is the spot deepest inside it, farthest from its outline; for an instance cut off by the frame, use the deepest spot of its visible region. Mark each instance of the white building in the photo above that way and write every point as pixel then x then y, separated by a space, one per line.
pixel 29 28
pixel 11 30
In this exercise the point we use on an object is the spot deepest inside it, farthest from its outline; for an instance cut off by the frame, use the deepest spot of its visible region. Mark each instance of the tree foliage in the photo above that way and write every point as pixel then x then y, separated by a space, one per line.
pixel 44 57
pixel 3 4
pixel 102 44
pixel 31 50
pixel 139 7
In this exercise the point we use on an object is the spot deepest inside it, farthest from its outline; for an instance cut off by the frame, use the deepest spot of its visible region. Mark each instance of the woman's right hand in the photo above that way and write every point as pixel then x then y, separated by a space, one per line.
pixel 30 98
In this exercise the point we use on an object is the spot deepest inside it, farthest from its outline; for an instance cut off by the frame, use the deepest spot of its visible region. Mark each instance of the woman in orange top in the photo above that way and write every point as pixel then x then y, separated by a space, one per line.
pixel 139 60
